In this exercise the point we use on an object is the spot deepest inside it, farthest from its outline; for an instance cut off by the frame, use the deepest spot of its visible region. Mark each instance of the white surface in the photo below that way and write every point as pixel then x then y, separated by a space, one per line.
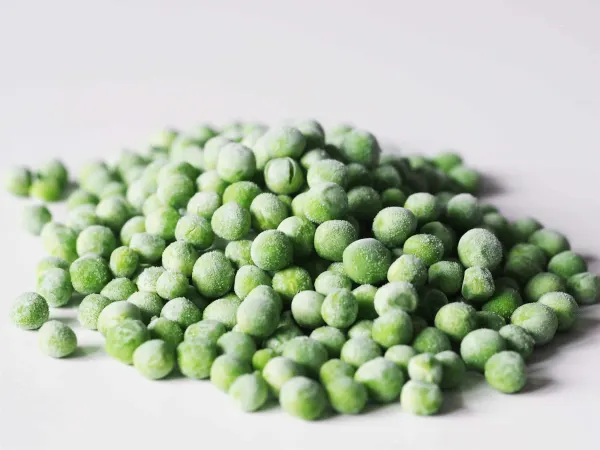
pixel 511 84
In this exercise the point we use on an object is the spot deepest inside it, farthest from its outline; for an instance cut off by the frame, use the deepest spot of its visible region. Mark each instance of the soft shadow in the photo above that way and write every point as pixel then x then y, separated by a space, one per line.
pixel 453 401
pixel 85 350
pixel 71 187
pixel 75 301
pixel 589 258
pixel 490 186
pixel 472 381
pixel 538 383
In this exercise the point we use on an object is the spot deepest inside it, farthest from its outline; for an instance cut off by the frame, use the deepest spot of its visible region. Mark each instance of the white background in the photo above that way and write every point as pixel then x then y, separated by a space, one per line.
pixel 513 85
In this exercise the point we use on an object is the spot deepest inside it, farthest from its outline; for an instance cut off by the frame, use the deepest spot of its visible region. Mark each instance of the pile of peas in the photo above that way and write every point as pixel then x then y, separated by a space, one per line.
pixel 292 264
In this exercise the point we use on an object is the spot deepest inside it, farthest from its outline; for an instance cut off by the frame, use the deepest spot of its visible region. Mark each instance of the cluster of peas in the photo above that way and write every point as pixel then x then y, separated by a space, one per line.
pixel 289 263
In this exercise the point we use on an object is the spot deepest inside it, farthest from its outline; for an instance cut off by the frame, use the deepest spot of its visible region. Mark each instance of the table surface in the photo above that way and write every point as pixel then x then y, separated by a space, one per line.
pixel 513 85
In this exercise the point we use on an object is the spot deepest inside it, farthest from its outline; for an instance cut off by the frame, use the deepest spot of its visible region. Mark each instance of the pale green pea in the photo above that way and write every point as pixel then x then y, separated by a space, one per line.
pixel 423 399
pixel 267 212
pixel 124 262
pixel 339 309
pixel 362 328
pixel 226 369
pixel 57 339
pixel 431 340
pixel 382 378
pixel 167 330
pixel 242 193
pixel 213 274
pixel 392 328
pixel 210 181
pixel 133 226
pixel 302 234
pixel 89 310
pixel 518 340
pixel 35 217
pixel 96 240
pixel 90 274
pixel 357 351
pixel 250 392
pixel 116 312
pixel 279 370
pixel 398 295
pixel 55 286
pixel 367 261
pixel 29 311
pixel 408 268
pixel 480 345
pixel 505 372
pixel 307 352
pixel 149 304
pixel 223 310
pixel 400 355
pixel 332 338
pixel 196 357
pixel 124 337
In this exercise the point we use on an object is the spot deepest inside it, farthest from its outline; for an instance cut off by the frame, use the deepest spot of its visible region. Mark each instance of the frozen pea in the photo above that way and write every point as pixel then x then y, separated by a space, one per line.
pixel 357 351
pixel 327 171
pixel 346 395
pixel 467 179
pixel 124 262
pixel 223 310
pixel 408 268
pixel 420 398
pixel 530 251
pixel 247 278
pixel 80 197
pixel 447 160
pixel 400 355
pixel 392 328
pixel 279 370
pixel 282 141
pixel 226 369
pixel 213 274
pixel 238 252
pixel 360 146
pixel 521 268
pixel 456 320
pixel 113 188
pixel 447 276
pixel 552 242
pixel 96 240
pixel 385 177
pixel 382 378
pixel 180 257
pixel 364 203
pixel 302 234
pixel 313 156
pixel 491 320
pixel 337 267
pixel 59 241
pixel 339 309
pixel 57 339
pixel 335 369
pixel 306 309
pixel 17 181
pixel 211 182
pixel 149 304
pixel 242 193
pixel 267 212
pixel 249 391
pixel 522 229
pixel 236 162
pixel 328 282
pixel 427 247
pixel 212 149
pixel 325 201
pixel 393 197
pixel 261 358
pixel 231 221
pixel 367 261
pixel 332 338
pixel 119 289
pixel 303 398
pixel 480 247
pixel 89 310
pixel 46 189
pixel 312 131
pixel 584 287
pixel 151 204
pixel 167 330
pixel 147 279
pixel 359 175
pixel 175 190
pixel 431 340
pixel 272 250
pixel 206 329
pixel 35 217
pixel 398 295
pixel 237 344
pixel 136 194
pixel 149 247
pixel 362 328
pixel 479 345
pixel 424 206
pixel 29 311
pixel 453 369
pixel 394 225
pixel 55 286
pixel 51 262
pixel 564 306
pixel 499 225
pixel 478 284
pixel 197 356
pixel 115 313
pixel 123 338
pixel 566 264
pixel 154 359
pixel 182 311
pixel 333 237
pixel 444 233
pixel 463 212
pixel 365 297
pixel 283 176
pixel 425 367
pixel 503 302
pixel 541 284
pixel 133 226
pixel 89 274
pixel 204 204
pixel 114 212
pixel 258 314
pixel 307 352
pixel 505 372
pixel 194 230
pixel 162 222
pixel 518 340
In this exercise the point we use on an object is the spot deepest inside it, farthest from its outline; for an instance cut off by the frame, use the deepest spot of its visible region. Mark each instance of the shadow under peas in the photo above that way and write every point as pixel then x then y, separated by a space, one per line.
pixel 491 186
pixel 453 401
pixel 85 350
pixel 537 383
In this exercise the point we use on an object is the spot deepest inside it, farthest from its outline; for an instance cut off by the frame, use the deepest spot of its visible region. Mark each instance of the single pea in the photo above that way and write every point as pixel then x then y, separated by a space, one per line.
pixel 119 289
pixel 236 162
pixel 149 247
pixel 54 285
pixel 238 252
pixel 282 141
pixel 584 287
pixel 313 156
pixel 51 262
pixel 479 345
pixel 211 182
pixel 17 181
pixel 29 311
pixel 339 309
pixel 162 222
pixel 258 314
pixel 175 190
pixel 267 212
pixel 400 355
pixel 115 313
pixel 382 378
pixel 425 367
pixel 478 284
pixel 194 230
pixel 147 279
pixel 307 352
pixel 242 193
pixel 365 297
pixel 367 261
pixel 360 146
pixel 521 268
pixel 408 268
pixel 463 212
pixel 530 251
pixel 124 338
pixel 46 189
pixel 35 217
pixel 522 229
pixel 447 160
pixel 149 304
pixel 364 203
pixel 182 311
pixel 306 309
pixel 424 206
pixel 237 344
pixel 385 177
pixel 303 398
pixel 328 282
pixel 333 237
pixel 231 221
pixel 206 329
pixel 80 197
pixel 247 278
pixel 262 357
pixel 90 274
pixel 362 328
pixel 431 340
pixel 398 295
pixel 453 369
pixel 89 310
pixel 566 264
pixel 223 310
pixel 552 242
pixel 447 276
pixel 197 356
pixel 59 241
pixel 392 328
pixel 154 359
pixel 504 302
pixel 96 240
pixel 151 204
pixel 283 176
pixel 491 320
pixel 325 201
pixel 250 392
pixel 213 274
pixel 466 179
pixel 327 171
pixel 133 226
pixel 124 262
pixel 226 369
pixel 313 133
pixel 426 247
pixel 394 225
pixel 114 212
pixel 332 338
pixel 480 247
pixel 564 306
pixel 444 233
pixel 335 369
pixel 212 149
pixel 272 250
pixel 167 330
pixel 302 234
pixel 279 370
pixel 393 197
pixel 180 257
pixel 505 372
pixel 346 395
pixel 420 398
pixel 57 339
pixel 541 284
pixel 204 204
pixel 456 320
pixel 357 351
pixel 518 340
